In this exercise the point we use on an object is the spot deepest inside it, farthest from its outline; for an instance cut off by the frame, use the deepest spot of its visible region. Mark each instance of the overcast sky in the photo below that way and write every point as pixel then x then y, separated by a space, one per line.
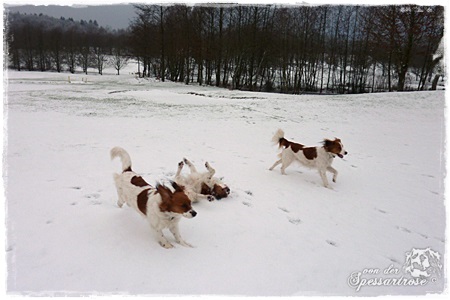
pixel 114 16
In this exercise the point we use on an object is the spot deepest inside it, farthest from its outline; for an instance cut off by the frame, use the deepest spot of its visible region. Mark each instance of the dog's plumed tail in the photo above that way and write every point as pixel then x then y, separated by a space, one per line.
pixel 279 139
pixel 124 157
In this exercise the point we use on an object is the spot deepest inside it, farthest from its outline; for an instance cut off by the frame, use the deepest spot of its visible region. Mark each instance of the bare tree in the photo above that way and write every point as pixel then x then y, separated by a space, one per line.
pixel 118 61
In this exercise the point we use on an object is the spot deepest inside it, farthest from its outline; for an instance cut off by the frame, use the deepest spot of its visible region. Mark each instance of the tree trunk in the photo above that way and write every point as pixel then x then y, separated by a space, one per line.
pixel 435 82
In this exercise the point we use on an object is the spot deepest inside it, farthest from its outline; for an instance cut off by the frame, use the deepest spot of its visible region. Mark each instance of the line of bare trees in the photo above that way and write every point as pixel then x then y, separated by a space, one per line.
pixel 289 49
pixel 43 43
pixel 295 49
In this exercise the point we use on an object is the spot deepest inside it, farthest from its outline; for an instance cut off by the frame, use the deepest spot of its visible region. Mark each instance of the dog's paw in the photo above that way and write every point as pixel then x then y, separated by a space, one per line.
pixel 166 245
pixel 181 164
pixel 210 198
pixel 185 244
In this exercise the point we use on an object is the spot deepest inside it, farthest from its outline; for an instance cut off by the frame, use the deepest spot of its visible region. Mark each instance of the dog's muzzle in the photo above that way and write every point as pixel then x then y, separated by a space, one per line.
pixel 190 214
pixel 227 190
pixel 342 156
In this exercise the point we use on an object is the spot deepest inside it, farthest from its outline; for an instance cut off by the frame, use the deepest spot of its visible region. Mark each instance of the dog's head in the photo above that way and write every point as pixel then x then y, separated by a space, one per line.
pixel 220 190
pixel 175 200
pixel 215 188
pixel 335 147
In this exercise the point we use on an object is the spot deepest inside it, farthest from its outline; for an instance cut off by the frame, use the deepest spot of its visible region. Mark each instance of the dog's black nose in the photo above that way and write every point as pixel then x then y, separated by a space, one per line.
pixel 193 213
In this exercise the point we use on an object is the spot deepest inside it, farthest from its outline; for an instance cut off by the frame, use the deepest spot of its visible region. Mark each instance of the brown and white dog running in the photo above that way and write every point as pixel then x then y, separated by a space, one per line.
pixel 162 206
pixel 319 158
pixel 201 186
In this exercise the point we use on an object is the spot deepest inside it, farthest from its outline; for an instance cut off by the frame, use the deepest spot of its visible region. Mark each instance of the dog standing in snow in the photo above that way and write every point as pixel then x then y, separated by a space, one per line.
pixel 319 158
pixel 162 206
pixel 200 186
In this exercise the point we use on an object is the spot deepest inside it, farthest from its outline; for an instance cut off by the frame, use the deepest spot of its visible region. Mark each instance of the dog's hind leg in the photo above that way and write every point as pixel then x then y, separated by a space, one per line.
pixel 190 165
pixel 210 170
pixel 120 199
pixel 180 167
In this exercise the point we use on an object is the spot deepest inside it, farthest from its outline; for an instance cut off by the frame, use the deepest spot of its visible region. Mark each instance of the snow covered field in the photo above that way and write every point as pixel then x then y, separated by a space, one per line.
pixel 274 236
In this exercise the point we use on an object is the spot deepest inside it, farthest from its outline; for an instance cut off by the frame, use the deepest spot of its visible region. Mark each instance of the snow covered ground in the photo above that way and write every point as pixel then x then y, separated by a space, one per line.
pixel 274 236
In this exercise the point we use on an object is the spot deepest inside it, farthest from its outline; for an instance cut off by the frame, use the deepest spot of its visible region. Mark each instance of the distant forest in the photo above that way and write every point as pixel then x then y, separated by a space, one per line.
pixel 288 49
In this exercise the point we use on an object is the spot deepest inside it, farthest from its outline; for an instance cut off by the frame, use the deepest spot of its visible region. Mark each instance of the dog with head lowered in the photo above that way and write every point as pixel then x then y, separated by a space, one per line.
pixel 319 158
pixel 162 206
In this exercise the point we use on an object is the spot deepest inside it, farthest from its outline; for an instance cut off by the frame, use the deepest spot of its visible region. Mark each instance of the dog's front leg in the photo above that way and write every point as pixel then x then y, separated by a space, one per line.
pixel 190 165
pixel 210 198
pixel 176 233
pixel 195 197
pixel 275 164
pixel 162 239
pixel 323 175
pixel 334 171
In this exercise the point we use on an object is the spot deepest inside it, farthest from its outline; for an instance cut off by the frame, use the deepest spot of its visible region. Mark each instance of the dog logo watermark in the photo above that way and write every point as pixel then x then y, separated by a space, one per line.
pixel 421 267
pixel 423 263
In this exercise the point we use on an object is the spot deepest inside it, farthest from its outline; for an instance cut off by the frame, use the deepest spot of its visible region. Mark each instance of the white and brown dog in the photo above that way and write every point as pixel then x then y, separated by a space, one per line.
pixel 201 186
pixel 162 206
pixel 320 158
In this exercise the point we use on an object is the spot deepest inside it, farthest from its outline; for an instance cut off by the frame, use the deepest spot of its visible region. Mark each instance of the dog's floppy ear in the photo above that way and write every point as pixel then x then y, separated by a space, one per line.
pixel 206 190
pixel 326 142
pixel 165 193
pixel 177 187
pixel 166 197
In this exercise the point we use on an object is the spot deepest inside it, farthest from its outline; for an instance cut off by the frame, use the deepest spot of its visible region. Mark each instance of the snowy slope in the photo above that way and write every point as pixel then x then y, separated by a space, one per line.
pixel 274 236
